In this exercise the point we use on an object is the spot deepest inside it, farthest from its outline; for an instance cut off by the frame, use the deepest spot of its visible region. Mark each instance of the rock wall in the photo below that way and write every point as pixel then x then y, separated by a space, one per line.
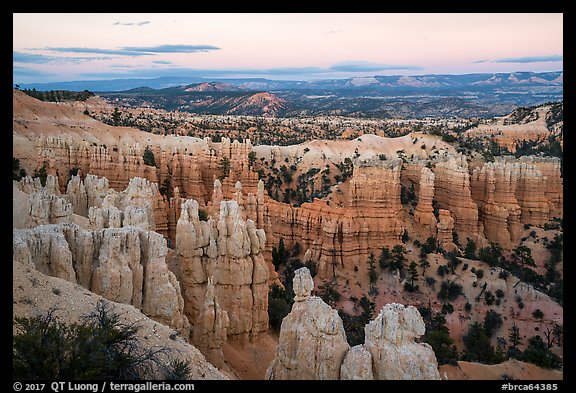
pixel 229 252
pixel 452 192
pixel 511 192
pixel 341 238
pixel 125 265
pixel 312 342
pixel 424 217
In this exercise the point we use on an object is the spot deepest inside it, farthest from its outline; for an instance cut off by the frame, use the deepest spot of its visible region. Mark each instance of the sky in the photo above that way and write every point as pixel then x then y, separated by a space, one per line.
pixel 68 47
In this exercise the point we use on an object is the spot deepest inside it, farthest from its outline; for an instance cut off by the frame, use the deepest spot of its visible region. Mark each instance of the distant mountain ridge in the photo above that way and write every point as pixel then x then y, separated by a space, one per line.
pixel 416 96
pixel 554 78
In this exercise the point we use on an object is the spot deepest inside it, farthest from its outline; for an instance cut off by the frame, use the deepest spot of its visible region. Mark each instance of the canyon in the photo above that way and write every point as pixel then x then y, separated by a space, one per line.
pixel 191 238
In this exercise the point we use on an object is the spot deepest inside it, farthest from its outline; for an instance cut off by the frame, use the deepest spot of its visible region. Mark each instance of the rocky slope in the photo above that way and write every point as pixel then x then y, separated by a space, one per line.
pixel 35 293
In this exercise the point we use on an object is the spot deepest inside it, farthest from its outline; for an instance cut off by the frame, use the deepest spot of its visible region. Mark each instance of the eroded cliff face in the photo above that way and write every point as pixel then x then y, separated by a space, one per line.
pixel 312 342
pixel 511 192
pixel 424 217
pixel 341 238
pixel 227 252
pixel 125 265
pixel 452 192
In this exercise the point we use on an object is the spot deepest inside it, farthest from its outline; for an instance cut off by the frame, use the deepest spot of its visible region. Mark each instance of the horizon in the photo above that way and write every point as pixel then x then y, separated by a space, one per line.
pixel 294 47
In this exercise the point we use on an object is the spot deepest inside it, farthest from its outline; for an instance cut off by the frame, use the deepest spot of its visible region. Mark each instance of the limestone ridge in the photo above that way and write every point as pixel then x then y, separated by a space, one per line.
pixel 115 254
pixel 312 343
pixel 125 265
pixel 225 276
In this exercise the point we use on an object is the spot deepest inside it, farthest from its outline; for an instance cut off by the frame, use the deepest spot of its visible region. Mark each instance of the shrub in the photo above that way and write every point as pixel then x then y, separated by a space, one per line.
pixel 441 270
pixel 491 254
pixel 504 274
pixel 447 308
pixel 480 273
pixel 489 298
pixel 538 314
pixel 430 245
pixel 499 293
pixel 17 172
pixel 99 347
pixel 449 290
pixel 539 354
pixel 202 215
pixel 468 307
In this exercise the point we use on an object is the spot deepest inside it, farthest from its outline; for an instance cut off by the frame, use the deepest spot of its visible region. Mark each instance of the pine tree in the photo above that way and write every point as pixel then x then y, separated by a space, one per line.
pixel 514 337
pixel 413 273
pixel 372 274
pixel 224 167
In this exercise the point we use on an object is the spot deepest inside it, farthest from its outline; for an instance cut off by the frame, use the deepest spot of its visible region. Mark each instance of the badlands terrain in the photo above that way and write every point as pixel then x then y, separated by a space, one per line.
pixel 298 248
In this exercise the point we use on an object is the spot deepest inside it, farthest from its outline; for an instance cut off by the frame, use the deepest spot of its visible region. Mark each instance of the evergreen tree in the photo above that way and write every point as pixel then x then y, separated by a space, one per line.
pixel 224 167
pixel 372 274
pixel 478 346
pixel 438 336
pixel 385 257
pixel 515 339
pixel 42 173
pixel 470 250
pixel 116 117
pixel 538 353
pixel 148 157
pixel 424 264
pixel 251 158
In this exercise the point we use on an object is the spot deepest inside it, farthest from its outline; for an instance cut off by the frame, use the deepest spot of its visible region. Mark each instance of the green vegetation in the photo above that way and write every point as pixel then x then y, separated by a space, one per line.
pixel 17 172
pixel 492 322
pixel 470 249
pixel 372 273
pixel 412 276
pixel 98 347
pixel 538 353
pixel 478 347
pixel 438 336
pixel 202 215
pixel 148 157
pixel 59 95
pixel 430 245
pixel 42 174
pixel 280 302
pixel 279 255
pixel 224 167
pixel 354 324
pixel 252 158
pixel 166 188
pixel 449 290
pixel 490 254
